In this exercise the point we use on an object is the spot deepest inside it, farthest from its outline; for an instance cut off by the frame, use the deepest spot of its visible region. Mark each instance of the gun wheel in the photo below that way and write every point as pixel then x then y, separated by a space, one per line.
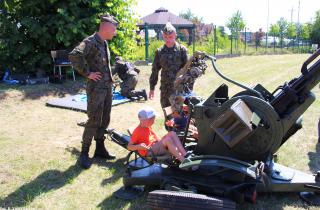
pixel 167 200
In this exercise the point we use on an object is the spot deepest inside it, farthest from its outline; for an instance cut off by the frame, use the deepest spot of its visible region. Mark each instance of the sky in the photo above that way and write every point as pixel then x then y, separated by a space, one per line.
pixel 254 12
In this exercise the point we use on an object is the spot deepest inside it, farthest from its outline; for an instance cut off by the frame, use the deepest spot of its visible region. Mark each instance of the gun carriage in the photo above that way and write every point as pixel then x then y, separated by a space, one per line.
pixel 238 137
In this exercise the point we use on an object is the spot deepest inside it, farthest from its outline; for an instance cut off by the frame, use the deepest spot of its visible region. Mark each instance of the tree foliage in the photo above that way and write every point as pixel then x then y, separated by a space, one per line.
pixel 236 24
pixel 274 29
pixel 306 31
pixel 291 30
pixel 315 33
pixel 190 16
pixel 283 26
pixel 198 21
pixel 30 29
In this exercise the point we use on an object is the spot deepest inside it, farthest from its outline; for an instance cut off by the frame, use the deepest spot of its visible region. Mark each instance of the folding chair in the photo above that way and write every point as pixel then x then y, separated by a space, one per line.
pixel 139 161
pixel 167 112
pixel 60 59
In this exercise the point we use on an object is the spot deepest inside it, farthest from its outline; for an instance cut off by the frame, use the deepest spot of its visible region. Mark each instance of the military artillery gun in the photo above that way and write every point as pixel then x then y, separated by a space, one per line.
pixel 260 122
pixel 238 137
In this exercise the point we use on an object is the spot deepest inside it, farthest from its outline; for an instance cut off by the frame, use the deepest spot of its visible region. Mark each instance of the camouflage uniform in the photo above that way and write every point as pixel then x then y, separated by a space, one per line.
pixel 128 73
pixel 170 60
pixel 92 55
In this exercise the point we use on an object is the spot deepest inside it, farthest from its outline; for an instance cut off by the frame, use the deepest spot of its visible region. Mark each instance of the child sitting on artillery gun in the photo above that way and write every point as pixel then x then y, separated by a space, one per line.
pixel 194 68
pixel 128 73
pixel 147 143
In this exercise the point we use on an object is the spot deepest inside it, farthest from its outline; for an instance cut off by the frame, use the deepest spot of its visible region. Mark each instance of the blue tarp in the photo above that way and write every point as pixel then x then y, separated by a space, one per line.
pixel 79 102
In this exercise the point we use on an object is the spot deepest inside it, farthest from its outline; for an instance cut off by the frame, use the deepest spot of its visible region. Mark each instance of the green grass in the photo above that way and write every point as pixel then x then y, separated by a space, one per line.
pixel 39 145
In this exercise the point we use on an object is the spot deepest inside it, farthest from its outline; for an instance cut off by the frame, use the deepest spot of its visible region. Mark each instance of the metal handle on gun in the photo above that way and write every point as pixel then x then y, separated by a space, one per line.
pixel 304 69
pixel 213 61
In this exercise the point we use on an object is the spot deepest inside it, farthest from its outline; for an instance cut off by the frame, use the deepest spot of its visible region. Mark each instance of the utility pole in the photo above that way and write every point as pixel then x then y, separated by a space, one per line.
pixel 298 25
pixel 291 11
pixel 267 28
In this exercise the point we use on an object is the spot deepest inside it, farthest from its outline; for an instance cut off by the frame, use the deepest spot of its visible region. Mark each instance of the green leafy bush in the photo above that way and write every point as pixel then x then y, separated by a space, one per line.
pixel 32 28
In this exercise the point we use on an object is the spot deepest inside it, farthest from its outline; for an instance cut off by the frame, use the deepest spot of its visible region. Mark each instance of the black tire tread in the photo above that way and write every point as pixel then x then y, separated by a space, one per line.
pixel 169 200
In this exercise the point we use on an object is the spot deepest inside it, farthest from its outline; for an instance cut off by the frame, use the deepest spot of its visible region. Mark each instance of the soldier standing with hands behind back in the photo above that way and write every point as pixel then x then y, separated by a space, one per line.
pixel 171 57
pixel 91 58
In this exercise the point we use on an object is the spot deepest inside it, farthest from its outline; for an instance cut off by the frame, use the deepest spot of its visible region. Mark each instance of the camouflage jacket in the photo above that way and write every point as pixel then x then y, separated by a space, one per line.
pixel 170 61
pixel 125 70
pixel 92 55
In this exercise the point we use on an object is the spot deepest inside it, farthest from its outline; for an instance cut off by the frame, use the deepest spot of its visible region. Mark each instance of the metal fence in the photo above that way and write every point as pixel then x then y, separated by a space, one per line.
pixel 245 42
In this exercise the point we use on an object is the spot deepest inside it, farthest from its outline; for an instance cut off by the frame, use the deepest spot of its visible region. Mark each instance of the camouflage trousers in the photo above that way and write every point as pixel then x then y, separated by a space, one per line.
pixel 164 97
pixel 98 111
pixel 128 86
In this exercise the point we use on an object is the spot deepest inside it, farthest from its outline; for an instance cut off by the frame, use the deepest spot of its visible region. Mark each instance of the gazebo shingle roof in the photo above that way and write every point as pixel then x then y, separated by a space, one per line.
pixel 161 16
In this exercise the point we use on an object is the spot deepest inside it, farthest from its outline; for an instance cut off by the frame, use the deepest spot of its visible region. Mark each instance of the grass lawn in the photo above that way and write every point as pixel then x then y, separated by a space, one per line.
pixel 39 145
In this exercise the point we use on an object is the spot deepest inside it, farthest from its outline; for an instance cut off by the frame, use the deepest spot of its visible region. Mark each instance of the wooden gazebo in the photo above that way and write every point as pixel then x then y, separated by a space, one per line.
pixel 158 20
pixel 160 17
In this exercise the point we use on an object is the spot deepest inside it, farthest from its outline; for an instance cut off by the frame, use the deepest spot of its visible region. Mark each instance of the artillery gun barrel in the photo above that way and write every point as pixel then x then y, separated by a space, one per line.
pixel 298 89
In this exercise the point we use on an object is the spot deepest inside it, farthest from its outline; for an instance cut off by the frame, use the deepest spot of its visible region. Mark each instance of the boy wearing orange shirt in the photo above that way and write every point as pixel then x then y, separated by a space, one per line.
pixel 148 143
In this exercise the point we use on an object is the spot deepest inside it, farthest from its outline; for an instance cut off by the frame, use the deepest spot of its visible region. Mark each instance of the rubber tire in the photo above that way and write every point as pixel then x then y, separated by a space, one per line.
pixel 173 200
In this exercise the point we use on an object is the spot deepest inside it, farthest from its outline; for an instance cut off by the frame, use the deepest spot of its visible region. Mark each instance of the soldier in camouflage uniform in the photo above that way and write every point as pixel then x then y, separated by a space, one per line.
pixel 128 73
pixel 91 58
pixel 170 58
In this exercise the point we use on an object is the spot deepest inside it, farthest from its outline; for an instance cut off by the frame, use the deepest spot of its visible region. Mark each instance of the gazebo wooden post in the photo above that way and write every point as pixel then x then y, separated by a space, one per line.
pixel 193 40
pixel 190 36
pixel 158 31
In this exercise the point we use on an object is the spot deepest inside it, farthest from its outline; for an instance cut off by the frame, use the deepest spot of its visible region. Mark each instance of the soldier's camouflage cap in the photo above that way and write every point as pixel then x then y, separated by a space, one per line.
pixel 169 28
pixel 109 18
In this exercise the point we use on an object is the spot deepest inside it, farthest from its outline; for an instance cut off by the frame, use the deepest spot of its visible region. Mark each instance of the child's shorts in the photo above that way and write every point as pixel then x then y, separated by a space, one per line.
pixel 157 149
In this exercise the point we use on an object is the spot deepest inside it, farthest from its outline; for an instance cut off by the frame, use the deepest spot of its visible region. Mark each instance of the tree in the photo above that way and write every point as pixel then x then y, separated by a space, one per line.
pixel 274 31
pixel 283 26
pixel 291 31
pixel 222 31
pixel 222 38
pixel 306 31
pixel 198 21
pixel 31 28
pixel 315 33
pixel 236 24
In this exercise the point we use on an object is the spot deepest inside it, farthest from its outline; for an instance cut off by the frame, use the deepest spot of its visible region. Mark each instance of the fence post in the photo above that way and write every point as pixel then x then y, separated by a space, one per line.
pixel 245 40
pixel 274 43
pixel 215 40
pixel 194 40
pixel 231 37
pixel 146 36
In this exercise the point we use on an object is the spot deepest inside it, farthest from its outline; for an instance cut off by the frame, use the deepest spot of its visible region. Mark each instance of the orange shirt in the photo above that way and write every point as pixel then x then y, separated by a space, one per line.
pixel 143 135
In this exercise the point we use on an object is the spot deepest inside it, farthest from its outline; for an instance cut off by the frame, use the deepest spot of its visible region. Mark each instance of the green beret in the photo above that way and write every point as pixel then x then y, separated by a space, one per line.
pixel 109 18
pixel 169 28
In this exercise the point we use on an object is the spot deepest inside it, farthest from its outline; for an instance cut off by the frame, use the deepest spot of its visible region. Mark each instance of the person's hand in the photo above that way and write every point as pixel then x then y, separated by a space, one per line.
pixel 137 70
pixel 151 94
pixel 95 76
pixel 144 146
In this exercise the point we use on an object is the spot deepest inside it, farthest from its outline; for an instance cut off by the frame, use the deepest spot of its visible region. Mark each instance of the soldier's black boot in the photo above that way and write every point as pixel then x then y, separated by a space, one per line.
pixel 84 160
pixel 143 94
pixel 101 151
